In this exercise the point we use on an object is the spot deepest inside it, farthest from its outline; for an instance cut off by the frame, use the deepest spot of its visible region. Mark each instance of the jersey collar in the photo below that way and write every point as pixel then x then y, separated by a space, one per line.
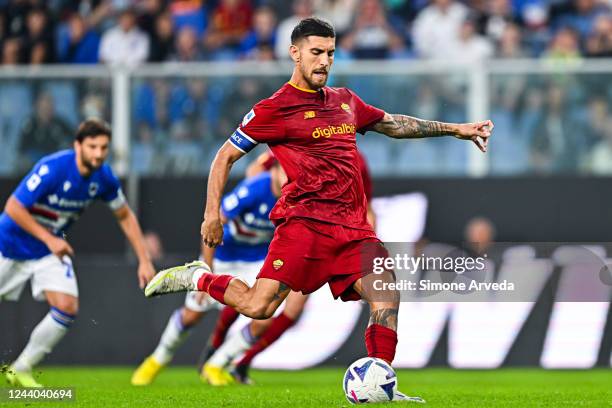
pixel 307 92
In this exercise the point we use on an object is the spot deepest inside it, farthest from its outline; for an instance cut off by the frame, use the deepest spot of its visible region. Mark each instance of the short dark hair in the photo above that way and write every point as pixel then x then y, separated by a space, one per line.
pixel 312 26
pixel 91 128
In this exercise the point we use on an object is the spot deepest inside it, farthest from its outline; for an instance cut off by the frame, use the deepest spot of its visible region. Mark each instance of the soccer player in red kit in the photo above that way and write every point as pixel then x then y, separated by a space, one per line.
pixel 221 353
pixel 322 233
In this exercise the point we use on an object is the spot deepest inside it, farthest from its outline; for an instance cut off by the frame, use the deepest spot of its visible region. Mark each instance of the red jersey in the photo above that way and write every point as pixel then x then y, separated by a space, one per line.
pixel 312 134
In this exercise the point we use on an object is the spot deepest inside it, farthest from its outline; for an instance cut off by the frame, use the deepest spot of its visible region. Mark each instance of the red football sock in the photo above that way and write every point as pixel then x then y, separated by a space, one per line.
pixel 279 325
pixel 381 342
pixel 227 317
pixel 214 285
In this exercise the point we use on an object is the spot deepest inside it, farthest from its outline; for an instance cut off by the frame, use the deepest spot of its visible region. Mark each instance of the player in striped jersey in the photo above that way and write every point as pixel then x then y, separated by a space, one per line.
pixel 32 229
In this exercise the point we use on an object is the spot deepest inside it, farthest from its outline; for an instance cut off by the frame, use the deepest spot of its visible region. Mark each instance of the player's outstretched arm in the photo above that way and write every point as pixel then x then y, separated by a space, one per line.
pixel 131 228
pixel 407 127
pixel 212 228
pixel 24 219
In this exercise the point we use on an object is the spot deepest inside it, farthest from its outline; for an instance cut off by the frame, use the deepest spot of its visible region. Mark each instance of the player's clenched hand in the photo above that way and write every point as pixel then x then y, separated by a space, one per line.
pixel 59 247
pixel 478 132
pixel 146 272
pixel 212 232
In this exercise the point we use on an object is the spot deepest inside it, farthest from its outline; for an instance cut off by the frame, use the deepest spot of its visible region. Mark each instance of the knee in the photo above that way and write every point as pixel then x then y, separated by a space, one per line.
pixel 67 304
pixel 259 311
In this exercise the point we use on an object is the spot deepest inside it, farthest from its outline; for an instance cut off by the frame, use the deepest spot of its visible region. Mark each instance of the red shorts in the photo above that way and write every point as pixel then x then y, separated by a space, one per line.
pixel 305 254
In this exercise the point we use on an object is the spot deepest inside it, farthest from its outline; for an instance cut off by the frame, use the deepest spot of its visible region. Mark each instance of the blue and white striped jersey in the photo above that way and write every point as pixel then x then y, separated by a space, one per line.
pixel 55 194
pixel 248 231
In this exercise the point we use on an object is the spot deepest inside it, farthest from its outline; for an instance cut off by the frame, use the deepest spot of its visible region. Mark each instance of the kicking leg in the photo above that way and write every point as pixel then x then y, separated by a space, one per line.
pixel 257 302
pixel 51 329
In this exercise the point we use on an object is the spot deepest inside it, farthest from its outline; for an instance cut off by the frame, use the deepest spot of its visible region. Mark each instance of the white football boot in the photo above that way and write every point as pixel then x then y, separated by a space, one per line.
pixel 177 279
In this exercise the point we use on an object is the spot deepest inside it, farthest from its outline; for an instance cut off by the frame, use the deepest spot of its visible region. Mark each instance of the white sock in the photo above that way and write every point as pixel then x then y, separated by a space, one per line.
pixel 173 336
pixel 44 337
pixel 197 274
pixel 234 346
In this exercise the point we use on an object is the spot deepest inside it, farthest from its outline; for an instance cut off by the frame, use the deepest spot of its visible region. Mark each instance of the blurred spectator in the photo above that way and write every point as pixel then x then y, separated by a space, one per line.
pixel 16 12
pixel 79 44
pixel 470 46
pixel 263 34
pixel 243 96
pixel 564 46
pixel 162 38
pixel 436 28
pixel 184 156
pixel 39 40
pixel 536 32
pixel 600 162
pixel 43 133
pixel 599 41
pixel 580 16
pixel 230 23
pixel 479 234
pixel 11 50
pixel 494 19
pixel 339 12
pixel 187 46
pixel 263 53
pixel 511 148
pixel 597 120
pixel 190 13
pixel 97 13
pixel 556 146
pixel 187 103
pixel 143 151
pixel 372 36
pixel 94 106
pixel 301 9
pixel 510 43
pixel 125 44
pixel 148 13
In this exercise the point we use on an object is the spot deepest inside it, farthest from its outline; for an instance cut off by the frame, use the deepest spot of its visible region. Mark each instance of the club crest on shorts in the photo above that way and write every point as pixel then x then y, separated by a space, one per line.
pixel 277 264
pixel 345 107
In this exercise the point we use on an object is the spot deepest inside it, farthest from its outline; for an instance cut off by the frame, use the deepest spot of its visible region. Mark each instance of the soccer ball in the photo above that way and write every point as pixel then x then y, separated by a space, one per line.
pixel 369 380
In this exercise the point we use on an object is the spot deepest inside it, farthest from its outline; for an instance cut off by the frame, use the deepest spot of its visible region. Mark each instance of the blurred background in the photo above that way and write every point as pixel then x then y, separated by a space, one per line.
pixel 175 78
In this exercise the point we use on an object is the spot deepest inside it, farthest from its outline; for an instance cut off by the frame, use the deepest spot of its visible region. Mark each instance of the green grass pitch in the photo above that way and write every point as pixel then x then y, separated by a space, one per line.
pixel 179 387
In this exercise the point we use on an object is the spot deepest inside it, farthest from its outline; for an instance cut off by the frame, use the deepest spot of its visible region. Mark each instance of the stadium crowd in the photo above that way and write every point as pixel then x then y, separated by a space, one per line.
pixel 136 31
pixel 176 123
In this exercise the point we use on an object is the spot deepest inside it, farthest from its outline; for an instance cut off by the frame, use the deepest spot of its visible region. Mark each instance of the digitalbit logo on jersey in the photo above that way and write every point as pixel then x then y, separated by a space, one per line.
pixel 328 131
pixel 248 117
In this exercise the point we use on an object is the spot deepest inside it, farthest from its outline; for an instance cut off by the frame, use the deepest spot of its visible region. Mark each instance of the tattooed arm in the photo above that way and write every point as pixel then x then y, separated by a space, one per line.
pixel 407 127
